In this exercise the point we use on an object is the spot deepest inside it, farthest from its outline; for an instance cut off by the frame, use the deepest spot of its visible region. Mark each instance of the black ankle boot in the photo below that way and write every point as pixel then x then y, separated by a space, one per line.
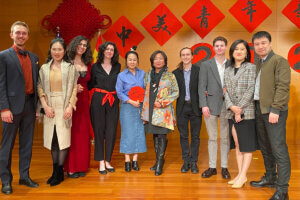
pixel 127 166
pixel 135 166
pixel 155 141
pixel 162 145
pixel 53 173
pixel 59 176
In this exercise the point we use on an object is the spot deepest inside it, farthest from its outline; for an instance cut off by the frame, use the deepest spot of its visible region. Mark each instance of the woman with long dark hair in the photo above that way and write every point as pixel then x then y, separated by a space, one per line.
pixel 158 111
pixel 129 82
pixel 239 81
pixel 80 55
pixel 57 91
pixel 104 110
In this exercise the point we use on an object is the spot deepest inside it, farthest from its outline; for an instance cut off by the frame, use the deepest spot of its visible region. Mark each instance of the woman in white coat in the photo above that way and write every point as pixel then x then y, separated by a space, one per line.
pixel 57 88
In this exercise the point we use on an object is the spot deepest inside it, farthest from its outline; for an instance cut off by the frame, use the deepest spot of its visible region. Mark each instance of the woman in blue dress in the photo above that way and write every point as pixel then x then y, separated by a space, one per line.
pixel 133 139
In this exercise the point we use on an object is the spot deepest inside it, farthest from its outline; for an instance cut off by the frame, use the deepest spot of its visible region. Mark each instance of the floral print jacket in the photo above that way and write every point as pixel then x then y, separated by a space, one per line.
pixel 167 93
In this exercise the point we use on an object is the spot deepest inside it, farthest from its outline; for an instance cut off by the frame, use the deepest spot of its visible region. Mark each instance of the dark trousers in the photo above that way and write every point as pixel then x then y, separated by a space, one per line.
pixel 187 115
pixel 104 121
pixel 272 142
pixel 25 123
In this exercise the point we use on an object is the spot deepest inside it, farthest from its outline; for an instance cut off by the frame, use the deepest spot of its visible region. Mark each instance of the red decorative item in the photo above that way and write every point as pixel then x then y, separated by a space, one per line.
pixel 202 52
pixel 137 93
pixel 250 13
pixel 294 57
pixel 124 35
pixel 203 16
pixel 76 17
pixel 292 12
pixel 254 56
pixel 162 24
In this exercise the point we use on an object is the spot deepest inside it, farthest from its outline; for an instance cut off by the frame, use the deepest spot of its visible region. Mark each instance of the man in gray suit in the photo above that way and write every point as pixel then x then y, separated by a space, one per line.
pixel 211 97
pixel 18 98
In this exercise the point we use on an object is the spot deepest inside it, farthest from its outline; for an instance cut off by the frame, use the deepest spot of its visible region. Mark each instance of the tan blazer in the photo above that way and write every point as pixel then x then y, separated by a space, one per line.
pixel 240 89
pixel 69 90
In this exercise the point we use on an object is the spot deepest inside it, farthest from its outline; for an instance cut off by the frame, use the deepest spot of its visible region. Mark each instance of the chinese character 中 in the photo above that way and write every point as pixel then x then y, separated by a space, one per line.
pixel 250 9
pixel 124 35
pixel 204 21
pixel 160 23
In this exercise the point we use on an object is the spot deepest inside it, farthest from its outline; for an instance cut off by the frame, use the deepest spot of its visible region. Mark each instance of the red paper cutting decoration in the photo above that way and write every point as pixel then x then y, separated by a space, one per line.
pixel 162 24
pixel 76 17
pixel 203 16
pixel 202 52
pixel 136 93
pixel 294 57
pixel 254 56
pixel 292 12
pixel 250 13
pixel 124 35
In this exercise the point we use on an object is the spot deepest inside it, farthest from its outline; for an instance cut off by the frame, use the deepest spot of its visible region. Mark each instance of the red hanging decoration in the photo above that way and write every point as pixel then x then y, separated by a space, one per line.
pixel 124 34
pixel 203 17
pixel 292 12
pixel 162 24
pixel 294 57
pixel 76 17
pixel 250 13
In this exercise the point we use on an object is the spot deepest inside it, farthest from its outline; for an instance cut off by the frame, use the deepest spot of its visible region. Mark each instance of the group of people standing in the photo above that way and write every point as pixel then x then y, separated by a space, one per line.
pixel 249 100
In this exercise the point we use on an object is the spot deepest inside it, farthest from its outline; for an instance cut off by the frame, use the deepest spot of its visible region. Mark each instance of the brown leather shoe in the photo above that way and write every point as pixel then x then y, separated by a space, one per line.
pixel 209 172
pixel 225 173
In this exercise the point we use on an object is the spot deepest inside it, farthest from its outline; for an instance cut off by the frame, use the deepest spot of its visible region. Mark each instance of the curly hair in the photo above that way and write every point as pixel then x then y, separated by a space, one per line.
pixel 63 44
pixel 72 48
pixel 102 48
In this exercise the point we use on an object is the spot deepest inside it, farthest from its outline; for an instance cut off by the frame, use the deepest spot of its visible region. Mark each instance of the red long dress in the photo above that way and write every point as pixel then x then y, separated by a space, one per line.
pixel 78 159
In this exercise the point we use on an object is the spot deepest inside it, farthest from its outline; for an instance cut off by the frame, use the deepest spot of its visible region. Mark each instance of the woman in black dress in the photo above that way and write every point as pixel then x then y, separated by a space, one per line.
pixel 104 108
pixel 239 81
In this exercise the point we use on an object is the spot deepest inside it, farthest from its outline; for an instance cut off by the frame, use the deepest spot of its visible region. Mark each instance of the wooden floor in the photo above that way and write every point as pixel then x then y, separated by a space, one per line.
pixel 143 184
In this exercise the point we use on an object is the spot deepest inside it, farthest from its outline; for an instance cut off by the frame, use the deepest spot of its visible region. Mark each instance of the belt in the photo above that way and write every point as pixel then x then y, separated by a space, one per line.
pixel 108 97
pixel 28 96
pixel 189 101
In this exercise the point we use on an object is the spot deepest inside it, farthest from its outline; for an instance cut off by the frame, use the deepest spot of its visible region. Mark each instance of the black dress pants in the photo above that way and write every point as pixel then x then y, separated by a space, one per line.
pixel 189 154
pixel 104 121
pixel 25 123
pixel 272 142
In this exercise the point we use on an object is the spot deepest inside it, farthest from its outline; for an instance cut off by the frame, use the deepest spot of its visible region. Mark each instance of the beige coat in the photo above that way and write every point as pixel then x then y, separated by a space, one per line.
pixel 69 89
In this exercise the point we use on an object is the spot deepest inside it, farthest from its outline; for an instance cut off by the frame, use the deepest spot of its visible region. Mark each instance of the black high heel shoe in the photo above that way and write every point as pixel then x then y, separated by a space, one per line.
pixel 135 166
pixel 127 166
pixel 103 172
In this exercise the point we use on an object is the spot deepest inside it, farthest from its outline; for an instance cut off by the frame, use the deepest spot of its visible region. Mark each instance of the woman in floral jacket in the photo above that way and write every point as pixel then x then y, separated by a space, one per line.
pixel 158 111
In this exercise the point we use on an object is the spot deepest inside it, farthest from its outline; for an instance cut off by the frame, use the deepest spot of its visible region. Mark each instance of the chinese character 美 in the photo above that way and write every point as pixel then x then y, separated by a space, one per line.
pixel 160 23
pixel 250 9
pixel 124 35
pixel 203 15
pixel 297 10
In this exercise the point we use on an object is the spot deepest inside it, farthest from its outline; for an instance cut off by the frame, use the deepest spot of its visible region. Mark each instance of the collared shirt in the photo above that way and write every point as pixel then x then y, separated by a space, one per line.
pixel 221 70
pixel 126 80
pixel 187 77
pixel 257 81
pixel 27 70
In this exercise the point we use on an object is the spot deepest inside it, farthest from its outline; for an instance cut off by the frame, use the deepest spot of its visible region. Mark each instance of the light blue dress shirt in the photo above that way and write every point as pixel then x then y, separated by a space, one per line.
pixel 126 80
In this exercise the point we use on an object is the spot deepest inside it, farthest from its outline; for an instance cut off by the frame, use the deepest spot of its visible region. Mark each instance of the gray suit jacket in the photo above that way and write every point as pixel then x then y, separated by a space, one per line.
pixel 240 89
pixel 210 88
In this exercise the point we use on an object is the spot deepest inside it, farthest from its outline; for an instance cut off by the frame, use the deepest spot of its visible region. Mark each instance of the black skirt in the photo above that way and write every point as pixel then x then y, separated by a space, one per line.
pixel 246 135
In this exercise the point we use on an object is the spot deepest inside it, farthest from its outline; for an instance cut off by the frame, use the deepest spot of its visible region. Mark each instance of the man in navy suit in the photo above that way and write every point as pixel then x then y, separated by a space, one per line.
pixel 18 99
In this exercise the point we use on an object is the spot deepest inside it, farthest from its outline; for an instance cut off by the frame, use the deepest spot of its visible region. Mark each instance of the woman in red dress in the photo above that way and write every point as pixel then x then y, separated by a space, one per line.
pixel 78 160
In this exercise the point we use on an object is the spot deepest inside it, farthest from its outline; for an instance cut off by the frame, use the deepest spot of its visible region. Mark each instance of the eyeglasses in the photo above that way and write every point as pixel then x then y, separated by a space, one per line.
pixel 82 45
